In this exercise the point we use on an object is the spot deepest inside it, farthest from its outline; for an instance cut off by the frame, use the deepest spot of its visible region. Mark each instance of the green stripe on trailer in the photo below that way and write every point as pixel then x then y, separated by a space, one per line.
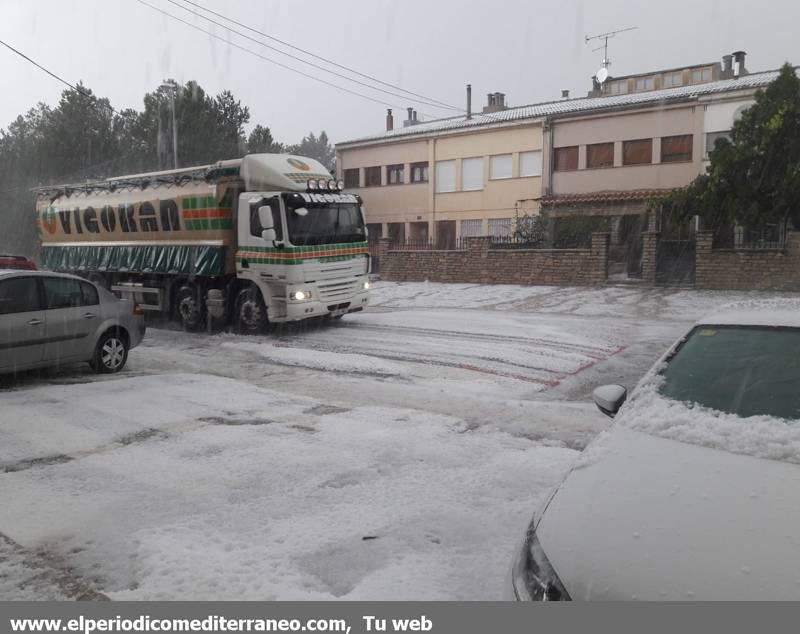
pixel 205 224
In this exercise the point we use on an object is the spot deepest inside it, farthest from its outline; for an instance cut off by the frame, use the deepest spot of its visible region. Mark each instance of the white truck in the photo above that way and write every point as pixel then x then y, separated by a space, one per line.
pixel 266 238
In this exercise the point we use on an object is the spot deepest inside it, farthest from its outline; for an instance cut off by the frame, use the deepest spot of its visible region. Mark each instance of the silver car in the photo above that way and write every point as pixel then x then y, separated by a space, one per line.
pixel 49 319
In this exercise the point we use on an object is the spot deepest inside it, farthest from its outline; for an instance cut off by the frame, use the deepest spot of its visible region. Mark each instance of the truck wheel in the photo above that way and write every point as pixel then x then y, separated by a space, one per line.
pixel 110 354
pixel 251 313
pixel 189 309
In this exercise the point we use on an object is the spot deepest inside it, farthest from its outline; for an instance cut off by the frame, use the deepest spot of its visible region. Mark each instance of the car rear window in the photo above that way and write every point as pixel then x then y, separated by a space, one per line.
pixel 89 294
pixel 747 371
pixel 62 293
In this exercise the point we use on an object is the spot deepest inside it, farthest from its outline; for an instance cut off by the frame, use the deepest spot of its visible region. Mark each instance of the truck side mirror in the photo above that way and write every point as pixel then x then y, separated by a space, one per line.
pixel 265 218
pixel 269 235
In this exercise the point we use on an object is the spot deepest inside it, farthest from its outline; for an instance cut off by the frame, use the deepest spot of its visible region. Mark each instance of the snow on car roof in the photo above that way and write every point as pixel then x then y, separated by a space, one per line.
pixel 783 312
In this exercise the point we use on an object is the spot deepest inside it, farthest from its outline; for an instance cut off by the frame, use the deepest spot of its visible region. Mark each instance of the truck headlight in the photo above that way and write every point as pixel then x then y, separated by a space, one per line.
pixel 532 577
pixel 366 286
pixel 300 295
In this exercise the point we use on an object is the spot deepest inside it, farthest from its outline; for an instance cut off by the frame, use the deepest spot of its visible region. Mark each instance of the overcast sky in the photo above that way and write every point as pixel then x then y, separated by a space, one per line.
pixel 528 49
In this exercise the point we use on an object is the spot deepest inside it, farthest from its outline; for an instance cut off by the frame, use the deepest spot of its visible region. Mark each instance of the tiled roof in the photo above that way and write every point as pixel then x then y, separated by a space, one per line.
pixel 633 195
pixel 574 106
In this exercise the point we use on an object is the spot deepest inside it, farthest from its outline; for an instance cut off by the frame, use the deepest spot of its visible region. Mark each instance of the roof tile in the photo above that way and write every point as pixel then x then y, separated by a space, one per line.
pixel 573 106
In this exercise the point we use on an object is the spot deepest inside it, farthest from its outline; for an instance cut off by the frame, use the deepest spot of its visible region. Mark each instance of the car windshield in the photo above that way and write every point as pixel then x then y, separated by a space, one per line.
pixel 329 224
pixel 747 371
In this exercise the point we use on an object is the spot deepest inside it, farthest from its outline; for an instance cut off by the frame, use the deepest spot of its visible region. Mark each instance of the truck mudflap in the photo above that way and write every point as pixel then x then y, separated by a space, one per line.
pixel 205 260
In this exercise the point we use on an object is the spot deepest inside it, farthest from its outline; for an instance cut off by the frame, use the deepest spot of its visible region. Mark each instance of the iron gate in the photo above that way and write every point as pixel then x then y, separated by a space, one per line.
pixel 675 262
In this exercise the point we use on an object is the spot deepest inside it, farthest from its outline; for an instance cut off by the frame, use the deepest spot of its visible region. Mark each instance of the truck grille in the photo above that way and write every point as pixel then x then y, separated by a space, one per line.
pixel 337 290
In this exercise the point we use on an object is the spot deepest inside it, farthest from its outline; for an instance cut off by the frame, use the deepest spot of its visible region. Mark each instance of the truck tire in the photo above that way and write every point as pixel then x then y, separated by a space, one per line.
pixel 110 354
pixel 189 309
pixel 250 313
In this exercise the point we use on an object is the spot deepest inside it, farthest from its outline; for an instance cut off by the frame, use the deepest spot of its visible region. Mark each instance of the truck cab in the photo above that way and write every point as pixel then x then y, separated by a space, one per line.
pixel 305 251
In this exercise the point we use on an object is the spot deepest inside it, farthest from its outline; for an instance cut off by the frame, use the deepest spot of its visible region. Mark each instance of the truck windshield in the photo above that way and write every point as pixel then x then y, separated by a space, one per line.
pixel 328 224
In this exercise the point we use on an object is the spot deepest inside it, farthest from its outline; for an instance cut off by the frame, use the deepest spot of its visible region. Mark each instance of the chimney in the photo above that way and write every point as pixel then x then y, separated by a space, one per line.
pixel 727 66
pixel 565 94
pixel 389 120
pixel 469 101
pixel 738 63
pixel 414 117
pixel 495 101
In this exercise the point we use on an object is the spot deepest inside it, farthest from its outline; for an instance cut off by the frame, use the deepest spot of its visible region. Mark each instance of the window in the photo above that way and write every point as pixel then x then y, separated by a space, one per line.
pixel 530 163
pixel 500 227
pixel 712 137
pixel 372 176
pixel 701 75
pixel 618 88
pixel 419 231
pixel 673 79
pixel 472 174
pixel 471 228
pixel 566 158
pixel 255 223
pixel 89 294
pixel 395 175
pixel 675 149
pixel 419 172
pixel 397 232
pixel 352 178
pixel 19 295
pixel 639 152
pixel 62 293
pixel 744 371
pixel 445 176
pixel 599 155
pixel 500 166
pixel 644 83
pixel 375 231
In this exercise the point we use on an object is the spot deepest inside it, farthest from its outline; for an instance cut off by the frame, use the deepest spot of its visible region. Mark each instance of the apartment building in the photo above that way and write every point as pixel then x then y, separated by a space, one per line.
pixel 449 178
pixel 604 156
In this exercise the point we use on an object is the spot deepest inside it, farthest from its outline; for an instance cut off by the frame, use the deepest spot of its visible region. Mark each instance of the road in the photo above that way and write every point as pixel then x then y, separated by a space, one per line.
pixel 397 454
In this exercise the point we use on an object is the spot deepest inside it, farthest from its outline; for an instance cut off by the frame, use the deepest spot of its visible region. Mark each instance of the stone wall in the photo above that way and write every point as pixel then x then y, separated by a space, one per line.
pixel 478 263
pixel 768 269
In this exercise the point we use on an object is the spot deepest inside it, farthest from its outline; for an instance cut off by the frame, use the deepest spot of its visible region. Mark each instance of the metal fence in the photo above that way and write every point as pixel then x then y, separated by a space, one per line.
pixel 769 237
pixel 512 242
pixel 429 244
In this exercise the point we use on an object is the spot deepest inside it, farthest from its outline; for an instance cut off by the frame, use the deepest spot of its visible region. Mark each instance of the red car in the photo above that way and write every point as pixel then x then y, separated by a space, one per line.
pixel 16 262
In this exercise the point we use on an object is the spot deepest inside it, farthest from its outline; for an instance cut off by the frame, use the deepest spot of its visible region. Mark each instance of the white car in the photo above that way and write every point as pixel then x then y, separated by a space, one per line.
pixel 694 493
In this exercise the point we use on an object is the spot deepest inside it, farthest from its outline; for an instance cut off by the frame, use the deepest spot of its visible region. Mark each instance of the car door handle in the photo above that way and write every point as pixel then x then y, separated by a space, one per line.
pixel 35 322
pixel 89 316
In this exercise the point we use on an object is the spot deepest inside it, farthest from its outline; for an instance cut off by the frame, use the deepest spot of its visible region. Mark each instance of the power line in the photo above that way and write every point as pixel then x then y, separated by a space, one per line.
pixel 433 102
pixel 49 72
pixel 77 89
pixel 267 59
pixel 319 57
pixel 426 101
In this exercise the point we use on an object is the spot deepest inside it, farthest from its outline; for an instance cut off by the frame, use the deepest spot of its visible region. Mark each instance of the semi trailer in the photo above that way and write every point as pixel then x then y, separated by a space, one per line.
pixel 244 242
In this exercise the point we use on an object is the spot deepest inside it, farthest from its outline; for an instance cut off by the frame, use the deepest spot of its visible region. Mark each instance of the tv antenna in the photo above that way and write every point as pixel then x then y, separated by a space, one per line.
pixel 602 74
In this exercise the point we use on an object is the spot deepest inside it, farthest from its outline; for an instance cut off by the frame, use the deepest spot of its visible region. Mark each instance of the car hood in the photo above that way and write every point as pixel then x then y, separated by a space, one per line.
pixel 643 517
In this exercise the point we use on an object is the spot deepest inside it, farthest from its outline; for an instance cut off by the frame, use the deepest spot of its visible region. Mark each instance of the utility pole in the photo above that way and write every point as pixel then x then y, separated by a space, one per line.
pixel 173 88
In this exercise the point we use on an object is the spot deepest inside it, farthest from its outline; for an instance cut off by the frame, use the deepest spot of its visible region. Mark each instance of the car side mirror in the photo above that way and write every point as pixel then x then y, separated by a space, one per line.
pixel 610 398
